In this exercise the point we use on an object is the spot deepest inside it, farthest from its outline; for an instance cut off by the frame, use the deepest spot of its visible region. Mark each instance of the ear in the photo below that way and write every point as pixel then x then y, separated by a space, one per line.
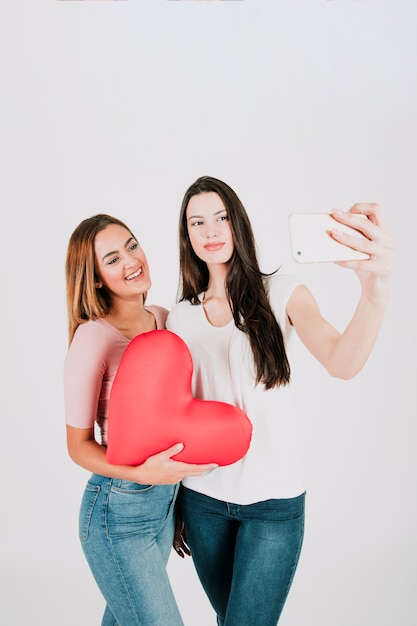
pixel 98 284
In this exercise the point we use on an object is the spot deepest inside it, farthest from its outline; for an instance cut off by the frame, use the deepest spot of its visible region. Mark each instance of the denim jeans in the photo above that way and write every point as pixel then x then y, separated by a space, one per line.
pixel 126 533
pixel 244 555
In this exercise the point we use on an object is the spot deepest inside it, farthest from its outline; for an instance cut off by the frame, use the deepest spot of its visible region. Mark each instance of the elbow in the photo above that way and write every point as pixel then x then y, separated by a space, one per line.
pixel 78 444
pixel 343 375
pixel 346 371
pixel 72 452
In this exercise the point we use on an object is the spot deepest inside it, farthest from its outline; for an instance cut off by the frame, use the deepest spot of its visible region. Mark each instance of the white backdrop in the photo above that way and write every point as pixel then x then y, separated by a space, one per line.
pixel 299 105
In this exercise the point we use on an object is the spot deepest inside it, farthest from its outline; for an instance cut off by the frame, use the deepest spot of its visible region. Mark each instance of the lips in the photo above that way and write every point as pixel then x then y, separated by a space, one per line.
pixel 213 247
pixel 134 275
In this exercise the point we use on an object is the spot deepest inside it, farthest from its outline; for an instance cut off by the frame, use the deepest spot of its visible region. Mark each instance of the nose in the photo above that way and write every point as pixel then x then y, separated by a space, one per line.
pixel 128 260
pixel 211 231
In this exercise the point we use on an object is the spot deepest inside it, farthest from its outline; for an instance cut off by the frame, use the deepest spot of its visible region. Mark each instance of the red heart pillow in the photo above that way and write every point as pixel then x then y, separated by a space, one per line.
pixel 151 408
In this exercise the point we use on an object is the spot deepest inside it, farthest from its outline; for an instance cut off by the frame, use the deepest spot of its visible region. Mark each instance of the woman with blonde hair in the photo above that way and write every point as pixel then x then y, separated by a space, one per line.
pixel 126 522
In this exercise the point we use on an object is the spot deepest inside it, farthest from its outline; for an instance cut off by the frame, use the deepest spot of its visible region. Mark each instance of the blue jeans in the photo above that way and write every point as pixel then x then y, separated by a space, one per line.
pixel 126 533
pixel 245 556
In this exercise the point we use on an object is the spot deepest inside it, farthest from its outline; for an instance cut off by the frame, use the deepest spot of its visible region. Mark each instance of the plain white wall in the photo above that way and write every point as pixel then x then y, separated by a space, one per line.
pixel 299 105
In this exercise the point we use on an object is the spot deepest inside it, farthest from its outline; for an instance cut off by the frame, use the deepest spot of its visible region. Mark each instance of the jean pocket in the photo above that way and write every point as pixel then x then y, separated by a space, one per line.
pixel 127 487
pixel 86 510
pixel 281 510
pixel 134 508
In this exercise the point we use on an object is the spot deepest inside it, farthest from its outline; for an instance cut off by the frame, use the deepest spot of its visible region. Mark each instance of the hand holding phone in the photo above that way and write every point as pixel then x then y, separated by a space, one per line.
pixel 311 239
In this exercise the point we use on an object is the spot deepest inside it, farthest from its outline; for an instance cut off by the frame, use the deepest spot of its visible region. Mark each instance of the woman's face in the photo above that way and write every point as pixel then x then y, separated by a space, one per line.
pixel 209 228
pixel 120 263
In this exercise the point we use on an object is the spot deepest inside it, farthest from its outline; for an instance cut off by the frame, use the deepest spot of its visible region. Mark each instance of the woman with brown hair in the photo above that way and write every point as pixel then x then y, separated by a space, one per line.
pixel 244 523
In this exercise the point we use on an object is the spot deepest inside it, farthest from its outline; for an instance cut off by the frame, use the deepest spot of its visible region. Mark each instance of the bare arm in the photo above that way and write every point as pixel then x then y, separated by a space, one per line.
pixel 158 469
pixel 344 354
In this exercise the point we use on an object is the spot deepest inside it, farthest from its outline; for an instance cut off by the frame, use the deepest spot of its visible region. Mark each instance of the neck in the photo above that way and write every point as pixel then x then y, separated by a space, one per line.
pixel 216 287
pixel 131 318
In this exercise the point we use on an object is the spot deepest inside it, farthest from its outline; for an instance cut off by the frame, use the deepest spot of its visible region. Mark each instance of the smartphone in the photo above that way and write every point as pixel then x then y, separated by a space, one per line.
pixel 311 241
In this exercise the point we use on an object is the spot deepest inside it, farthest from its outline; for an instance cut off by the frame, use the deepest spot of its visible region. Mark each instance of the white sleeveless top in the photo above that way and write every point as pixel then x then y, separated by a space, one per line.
pixel 224 371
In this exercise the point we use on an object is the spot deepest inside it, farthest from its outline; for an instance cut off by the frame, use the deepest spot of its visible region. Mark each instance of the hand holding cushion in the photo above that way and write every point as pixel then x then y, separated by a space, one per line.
pixel 152 408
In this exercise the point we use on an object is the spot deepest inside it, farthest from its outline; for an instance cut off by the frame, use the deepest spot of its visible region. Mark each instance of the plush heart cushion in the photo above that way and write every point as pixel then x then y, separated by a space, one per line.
pixel 152 408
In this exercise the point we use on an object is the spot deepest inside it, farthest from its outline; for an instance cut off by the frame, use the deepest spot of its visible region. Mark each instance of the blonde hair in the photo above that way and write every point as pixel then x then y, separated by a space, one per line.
pixel 85 300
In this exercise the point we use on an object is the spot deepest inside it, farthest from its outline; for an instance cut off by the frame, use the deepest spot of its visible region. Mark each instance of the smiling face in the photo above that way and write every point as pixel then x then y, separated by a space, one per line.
pixel 120 263
pixel 209 228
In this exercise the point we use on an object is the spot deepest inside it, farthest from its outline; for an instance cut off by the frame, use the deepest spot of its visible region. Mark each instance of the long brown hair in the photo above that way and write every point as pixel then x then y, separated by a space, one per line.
pixel 85 300
pixel 245 284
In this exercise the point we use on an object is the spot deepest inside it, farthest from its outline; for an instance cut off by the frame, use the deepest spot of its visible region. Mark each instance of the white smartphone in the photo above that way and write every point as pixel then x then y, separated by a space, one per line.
pixel 311 241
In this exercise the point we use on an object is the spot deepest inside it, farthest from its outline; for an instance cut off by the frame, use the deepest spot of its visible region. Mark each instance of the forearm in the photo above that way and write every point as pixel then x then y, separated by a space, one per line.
pixel 158 469
pixel 92 456
pixel 352 348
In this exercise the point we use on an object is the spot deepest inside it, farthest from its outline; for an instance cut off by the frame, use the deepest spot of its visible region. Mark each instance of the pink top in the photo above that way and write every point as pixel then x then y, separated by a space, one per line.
pixel 89 370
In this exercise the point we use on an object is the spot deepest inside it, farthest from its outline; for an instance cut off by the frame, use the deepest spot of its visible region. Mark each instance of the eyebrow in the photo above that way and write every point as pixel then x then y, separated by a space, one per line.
pixel 193 217
pixel 115 251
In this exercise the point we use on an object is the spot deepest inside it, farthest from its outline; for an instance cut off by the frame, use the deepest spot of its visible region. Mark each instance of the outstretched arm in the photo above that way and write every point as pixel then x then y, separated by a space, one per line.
pixel 344 354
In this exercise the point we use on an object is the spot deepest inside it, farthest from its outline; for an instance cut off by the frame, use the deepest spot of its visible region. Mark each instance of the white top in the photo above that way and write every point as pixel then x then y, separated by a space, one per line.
pixel 224 371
